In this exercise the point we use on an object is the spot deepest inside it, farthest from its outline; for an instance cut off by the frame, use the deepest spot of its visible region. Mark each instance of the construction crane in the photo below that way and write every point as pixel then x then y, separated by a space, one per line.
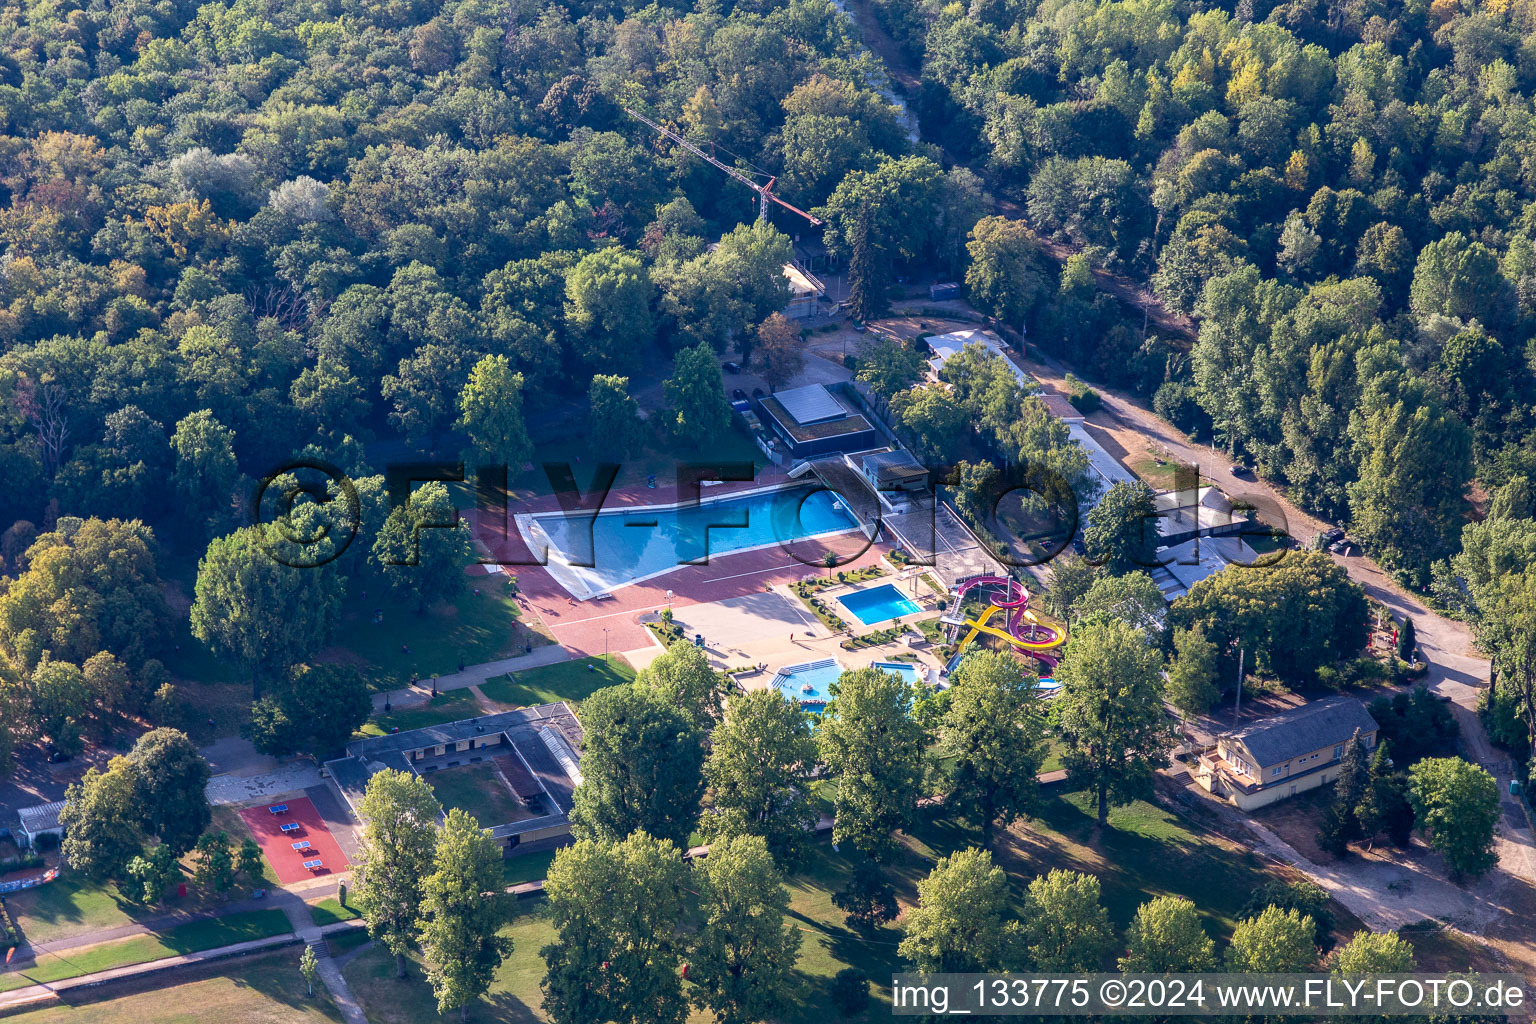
pixel 764 192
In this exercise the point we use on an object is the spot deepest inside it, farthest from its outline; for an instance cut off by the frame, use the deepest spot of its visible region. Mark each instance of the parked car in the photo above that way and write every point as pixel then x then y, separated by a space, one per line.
pixel 1238 469
pixel 861 328
pixel 57 756
pixel 738 394
pixel 731 367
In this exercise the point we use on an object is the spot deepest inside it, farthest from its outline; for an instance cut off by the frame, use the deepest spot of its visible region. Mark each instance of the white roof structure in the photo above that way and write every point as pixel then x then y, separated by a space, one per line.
pixel 812 403
pixel 561 751
pixel 947 346
pixel 1102 466
pixel 1190 511
pixel 801 283
pixel 39 819
pixel 1192 561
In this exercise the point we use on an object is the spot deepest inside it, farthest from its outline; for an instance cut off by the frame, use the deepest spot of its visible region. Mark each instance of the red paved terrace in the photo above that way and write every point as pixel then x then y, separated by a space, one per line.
pixel 579 625
pixel 277 845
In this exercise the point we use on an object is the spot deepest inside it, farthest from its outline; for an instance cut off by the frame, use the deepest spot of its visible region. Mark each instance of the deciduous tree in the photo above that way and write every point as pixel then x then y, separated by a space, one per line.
pixel 461 914
pixel 1457 808
pixel 641 767
pixel 995 732
pixel 396 853
pixel 759 772
pixel 963 921
pixel 1110 713
pixel 742 962
pixel 869 738
pixel 616 908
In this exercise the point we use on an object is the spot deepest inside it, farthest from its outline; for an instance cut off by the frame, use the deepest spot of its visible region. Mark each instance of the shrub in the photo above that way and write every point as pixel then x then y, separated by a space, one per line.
pixel 1083 398
pixel 850 991
pixel 46 843
pixel 1416 724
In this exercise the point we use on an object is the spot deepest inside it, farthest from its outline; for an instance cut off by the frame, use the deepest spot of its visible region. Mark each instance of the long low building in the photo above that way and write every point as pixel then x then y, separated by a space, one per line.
pixel 534 752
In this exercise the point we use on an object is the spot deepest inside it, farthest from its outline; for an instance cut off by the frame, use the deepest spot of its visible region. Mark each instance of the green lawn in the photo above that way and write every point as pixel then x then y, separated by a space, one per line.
pixel 513 995
pixel 527 867
pixel 471 628
pixel 567 680
pixel 449 706
pixel 74 905
pixel 70 906
pixel 344 942
pixel 477 790
pixel 330 911
pixel 1145 852
pixel 185 938
pixel 262 989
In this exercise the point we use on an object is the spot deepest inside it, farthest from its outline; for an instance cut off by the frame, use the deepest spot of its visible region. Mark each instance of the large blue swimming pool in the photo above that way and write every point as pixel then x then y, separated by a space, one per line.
pixel 592 555
pixel 878 604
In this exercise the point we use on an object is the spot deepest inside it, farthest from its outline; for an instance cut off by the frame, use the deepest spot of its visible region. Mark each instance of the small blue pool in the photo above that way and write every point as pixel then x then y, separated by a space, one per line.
pixel 911 673
pixel 878 604
pixel 808 683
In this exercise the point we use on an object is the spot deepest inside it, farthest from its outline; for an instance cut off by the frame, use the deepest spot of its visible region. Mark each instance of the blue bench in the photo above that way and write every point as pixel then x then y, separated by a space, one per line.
pixel 278 809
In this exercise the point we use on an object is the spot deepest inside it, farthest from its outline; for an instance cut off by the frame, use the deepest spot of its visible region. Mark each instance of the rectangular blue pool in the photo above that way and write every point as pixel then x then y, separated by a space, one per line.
pixel 878 604
pixel 592 555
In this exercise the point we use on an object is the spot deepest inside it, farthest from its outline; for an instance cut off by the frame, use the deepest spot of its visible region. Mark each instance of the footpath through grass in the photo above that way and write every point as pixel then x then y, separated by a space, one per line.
pixel 572 681
pixel 192 937
pixel 448 706
pixel 264 988
pixel 472 628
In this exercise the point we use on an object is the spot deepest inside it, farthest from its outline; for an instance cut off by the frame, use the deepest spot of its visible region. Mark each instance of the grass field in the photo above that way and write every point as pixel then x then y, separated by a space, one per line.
pixel 262 989
pixel 448 706
pixel 330 911
pixel 477 790
pixel 185 938
pixel 569 680
pixel 471 628
pixel 344 942
pixel 512 998
pixel 1146 852
pixel 527 867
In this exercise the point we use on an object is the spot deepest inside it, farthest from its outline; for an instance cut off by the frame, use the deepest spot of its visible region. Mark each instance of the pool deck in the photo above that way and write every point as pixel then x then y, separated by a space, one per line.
pixel 612 623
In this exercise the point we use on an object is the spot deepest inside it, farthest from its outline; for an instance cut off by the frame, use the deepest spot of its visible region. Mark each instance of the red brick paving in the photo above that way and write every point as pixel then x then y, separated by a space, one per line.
pixel 277 845
pixel 579 625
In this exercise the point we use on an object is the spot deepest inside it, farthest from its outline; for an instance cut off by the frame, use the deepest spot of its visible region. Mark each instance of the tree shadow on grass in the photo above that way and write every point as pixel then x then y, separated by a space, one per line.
pixel 504 1008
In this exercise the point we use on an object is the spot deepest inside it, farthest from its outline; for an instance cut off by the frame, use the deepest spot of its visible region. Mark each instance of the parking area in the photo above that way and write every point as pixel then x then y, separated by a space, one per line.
pixel 295 841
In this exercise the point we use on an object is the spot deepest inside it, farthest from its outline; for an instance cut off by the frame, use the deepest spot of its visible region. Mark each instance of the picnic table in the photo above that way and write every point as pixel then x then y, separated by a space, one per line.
pixel 314 865
pixel 278 809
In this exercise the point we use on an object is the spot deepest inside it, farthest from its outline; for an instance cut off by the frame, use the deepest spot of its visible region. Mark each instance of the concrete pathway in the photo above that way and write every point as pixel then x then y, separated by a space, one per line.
pixel 330 972
pixel 474 675
pixel 249 789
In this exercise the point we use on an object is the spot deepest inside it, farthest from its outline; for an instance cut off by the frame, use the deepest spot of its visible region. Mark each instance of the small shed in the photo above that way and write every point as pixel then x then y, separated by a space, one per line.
pixel 40 820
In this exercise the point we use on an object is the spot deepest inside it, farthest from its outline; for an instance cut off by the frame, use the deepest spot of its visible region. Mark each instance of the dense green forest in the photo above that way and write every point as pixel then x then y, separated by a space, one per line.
pixel 236 232
pixel 1341 194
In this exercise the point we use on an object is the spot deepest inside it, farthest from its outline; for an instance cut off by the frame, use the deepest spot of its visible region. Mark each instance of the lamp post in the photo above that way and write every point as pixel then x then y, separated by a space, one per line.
pixel 605 643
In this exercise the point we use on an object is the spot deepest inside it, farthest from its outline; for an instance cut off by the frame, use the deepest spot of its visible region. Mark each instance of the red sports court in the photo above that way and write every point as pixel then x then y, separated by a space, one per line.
pixel 266 822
